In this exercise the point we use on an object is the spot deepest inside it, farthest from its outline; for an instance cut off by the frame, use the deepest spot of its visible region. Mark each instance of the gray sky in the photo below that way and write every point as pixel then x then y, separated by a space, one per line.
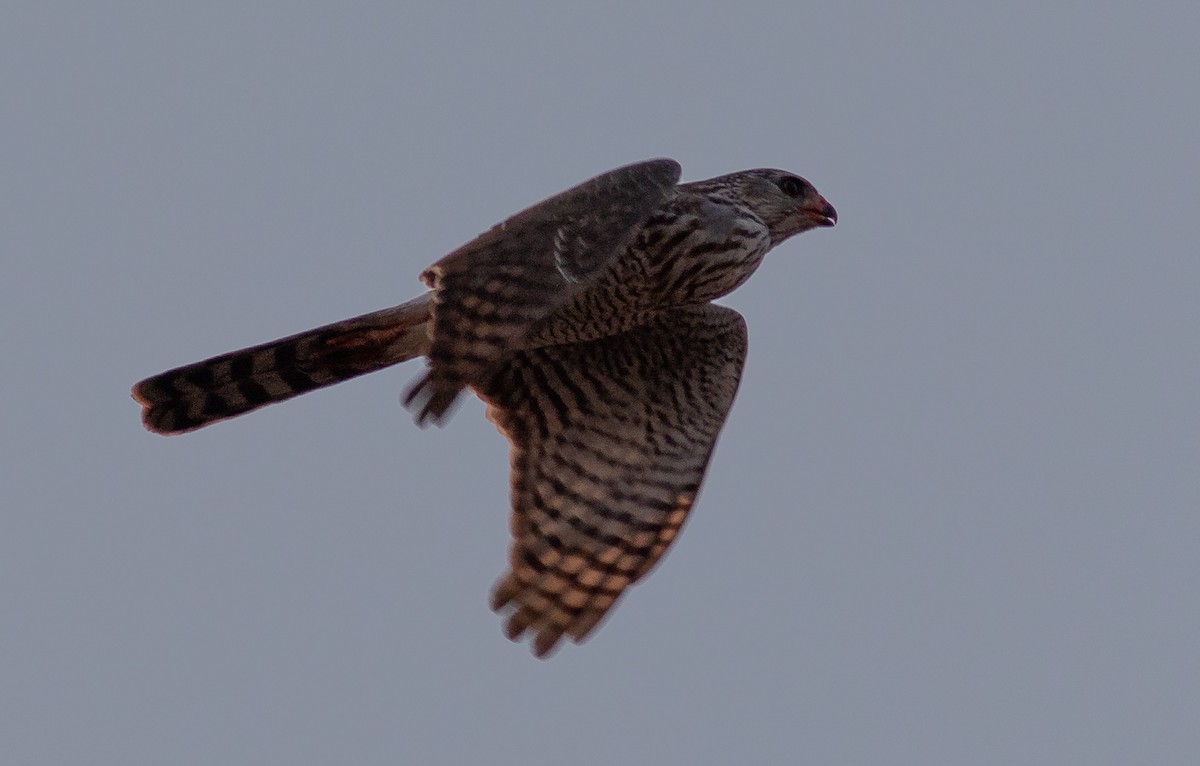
pixel 953 519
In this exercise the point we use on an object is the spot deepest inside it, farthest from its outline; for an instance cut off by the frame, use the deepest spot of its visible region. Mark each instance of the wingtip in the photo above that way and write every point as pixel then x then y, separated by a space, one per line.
pixel 546 643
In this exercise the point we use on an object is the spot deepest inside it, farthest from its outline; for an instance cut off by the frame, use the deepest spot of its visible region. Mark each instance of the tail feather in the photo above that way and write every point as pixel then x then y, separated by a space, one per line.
pixel 198 394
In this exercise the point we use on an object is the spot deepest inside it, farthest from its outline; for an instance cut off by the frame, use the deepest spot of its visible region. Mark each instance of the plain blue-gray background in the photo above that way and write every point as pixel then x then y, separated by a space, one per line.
pixel 954 517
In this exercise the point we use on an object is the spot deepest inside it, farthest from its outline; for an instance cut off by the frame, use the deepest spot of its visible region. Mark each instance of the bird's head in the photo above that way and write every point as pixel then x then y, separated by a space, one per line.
pixel 785 202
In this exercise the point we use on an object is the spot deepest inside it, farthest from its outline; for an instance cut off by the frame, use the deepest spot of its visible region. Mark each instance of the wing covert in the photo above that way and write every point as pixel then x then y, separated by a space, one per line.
pixel 492 290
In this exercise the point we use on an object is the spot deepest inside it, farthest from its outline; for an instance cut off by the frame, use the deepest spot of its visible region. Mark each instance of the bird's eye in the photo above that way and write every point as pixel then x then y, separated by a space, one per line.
pixel 791 186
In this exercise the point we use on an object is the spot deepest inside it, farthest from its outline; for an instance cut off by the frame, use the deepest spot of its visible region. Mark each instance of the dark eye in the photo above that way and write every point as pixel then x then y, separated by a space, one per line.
pixel 791 186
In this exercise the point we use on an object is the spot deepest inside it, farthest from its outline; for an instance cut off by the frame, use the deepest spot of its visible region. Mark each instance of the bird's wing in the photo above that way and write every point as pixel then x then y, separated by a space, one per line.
pixel 490 292
pixel 610 442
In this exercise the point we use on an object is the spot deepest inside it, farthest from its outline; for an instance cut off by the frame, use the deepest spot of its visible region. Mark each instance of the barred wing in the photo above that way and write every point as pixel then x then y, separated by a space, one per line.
pixel 610 442
pixel 491 291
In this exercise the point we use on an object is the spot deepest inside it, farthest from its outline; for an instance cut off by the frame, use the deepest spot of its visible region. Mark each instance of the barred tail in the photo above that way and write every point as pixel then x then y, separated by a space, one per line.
pixel 195 395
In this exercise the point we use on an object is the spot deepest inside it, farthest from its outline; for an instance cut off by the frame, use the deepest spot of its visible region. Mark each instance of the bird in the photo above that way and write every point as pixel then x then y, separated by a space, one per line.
pixel 586 325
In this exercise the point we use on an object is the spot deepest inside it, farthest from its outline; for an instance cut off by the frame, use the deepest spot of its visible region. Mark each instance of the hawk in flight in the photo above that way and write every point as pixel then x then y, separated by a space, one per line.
pixel 585 323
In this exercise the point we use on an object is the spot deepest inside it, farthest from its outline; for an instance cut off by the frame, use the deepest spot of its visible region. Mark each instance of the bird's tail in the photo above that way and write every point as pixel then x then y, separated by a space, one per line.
pixel 193 396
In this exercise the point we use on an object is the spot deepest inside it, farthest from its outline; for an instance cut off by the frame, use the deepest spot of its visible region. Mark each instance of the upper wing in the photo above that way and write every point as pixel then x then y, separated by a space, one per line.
pixel 491 291
pixel 610 442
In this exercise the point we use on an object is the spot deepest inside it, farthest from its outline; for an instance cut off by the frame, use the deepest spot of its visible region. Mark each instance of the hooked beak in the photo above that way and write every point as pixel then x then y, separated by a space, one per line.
pixel 822 213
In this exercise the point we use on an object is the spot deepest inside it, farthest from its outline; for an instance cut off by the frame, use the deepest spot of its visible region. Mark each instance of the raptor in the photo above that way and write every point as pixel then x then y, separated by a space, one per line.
pixel 586 325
